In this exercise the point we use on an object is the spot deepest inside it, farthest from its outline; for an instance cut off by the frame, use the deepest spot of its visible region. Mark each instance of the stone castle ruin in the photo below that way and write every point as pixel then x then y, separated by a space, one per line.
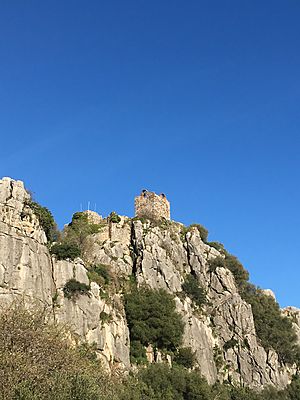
pixel 152 206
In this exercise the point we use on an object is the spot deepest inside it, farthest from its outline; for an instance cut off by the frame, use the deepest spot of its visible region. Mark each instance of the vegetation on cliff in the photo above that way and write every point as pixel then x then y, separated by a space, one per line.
pixel 152 320
pixel 45 218
pixel 273 329
pixel 38 361
pixel 73 236
pixel 192 288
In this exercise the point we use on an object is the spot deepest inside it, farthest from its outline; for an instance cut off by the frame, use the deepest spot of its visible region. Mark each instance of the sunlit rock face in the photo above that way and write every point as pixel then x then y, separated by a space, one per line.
pixel 28 272
pixel 159 255
pixel 25 263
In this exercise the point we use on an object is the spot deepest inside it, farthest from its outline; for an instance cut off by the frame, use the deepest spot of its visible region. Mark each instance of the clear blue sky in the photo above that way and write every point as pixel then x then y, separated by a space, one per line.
pixel 197 99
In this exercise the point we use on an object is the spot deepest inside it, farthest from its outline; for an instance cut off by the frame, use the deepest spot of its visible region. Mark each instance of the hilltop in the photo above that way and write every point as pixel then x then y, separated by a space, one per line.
pixel 146 290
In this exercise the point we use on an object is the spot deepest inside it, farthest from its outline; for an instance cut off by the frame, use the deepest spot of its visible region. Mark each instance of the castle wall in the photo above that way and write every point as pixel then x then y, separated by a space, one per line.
pixel 152 206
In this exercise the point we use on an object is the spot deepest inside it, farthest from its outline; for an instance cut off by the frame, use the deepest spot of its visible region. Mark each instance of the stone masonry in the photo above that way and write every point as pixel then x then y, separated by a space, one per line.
pixel 152 206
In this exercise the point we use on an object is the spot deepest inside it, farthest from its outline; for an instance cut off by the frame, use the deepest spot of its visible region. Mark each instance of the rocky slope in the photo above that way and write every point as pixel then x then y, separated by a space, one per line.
pixel 158 256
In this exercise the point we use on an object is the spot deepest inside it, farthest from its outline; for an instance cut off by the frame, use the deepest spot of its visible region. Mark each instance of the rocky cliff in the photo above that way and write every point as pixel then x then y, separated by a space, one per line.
pixel 158 255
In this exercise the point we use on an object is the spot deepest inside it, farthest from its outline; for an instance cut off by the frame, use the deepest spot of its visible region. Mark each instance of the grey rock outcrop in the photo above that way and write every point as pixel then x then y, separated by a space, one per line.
pixel 25 263
pixel 111 246
pixel 161 256
pixel 164 256
pixel 27 271
pixel 92 317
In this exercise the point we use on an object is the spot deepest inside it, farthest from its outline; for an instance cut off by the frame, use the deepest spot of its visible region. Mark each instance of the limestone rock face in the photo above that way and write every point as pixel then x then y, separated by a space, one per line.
pixel 25 263
pixel 27 271
pixel 164 256
pixel 160 255
pixel 92 317
pixel 161 259
pixel 111 246
pixel 243 359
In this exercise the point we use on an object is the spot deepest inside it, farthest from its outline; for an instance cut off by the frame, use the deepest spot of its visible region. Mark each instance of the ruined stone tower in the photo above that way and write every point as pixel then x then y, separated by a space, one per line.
pixel 152 206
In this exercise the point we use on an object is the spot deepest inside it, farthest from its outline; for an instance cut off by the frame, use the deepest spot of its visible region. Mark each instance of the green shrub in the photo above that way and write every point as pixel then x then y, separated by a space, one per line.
pixel 217 262
pixel 80 223
pixel 218 357
pixel 79 216
pixel 185 357
pixel 45 218
pixel 158 381
pixel 194 291
pixel 152 318
pixel 105 318
pixel 241 276
pixel 293 390
pixel 142 219
pixel 64 251
pixel 40 362
pixel 230 262
pixel 73 237
pixel 114 217
pixel 137 352
pixel 79 229
pixel 230 344
pixel 217 245
pixel 274 330
pixel 100 273
pixel 202 231
pixel 73 288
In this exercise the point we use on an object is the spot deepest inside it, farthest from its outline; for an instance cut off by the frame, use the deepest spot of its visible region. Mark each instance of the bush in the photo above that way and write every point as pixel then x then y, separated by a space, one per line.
pixel 74 236
pixel 217 245
pixel 39 362
pixel 230 262
pixel 158 381
pixel 202 231
pixel 64 251
pixel 114 217
pixel 217 262
pixel 152 319
pixel 194 291
pixel 73 288
pixel 137 352
pixel 230 344
pixel 274 330
pixel 45 218
pixel 100 274
pixel 185 357
pixel 79 229
pixel 293 390
pixel 105 318
pixel 241 276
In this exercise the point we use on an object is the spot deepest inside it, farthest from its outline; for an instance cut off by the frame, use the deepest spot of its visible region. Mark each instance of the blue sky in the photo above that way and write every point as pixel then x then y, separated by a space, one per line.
pixel 198 99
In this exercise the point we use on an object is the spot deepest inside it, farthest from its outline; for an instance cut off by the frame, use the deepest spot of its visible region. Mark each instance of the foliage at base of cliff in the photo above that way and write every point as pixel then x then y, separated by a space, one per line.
pixel 159 381
pixel 152 319
pixel 38 361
